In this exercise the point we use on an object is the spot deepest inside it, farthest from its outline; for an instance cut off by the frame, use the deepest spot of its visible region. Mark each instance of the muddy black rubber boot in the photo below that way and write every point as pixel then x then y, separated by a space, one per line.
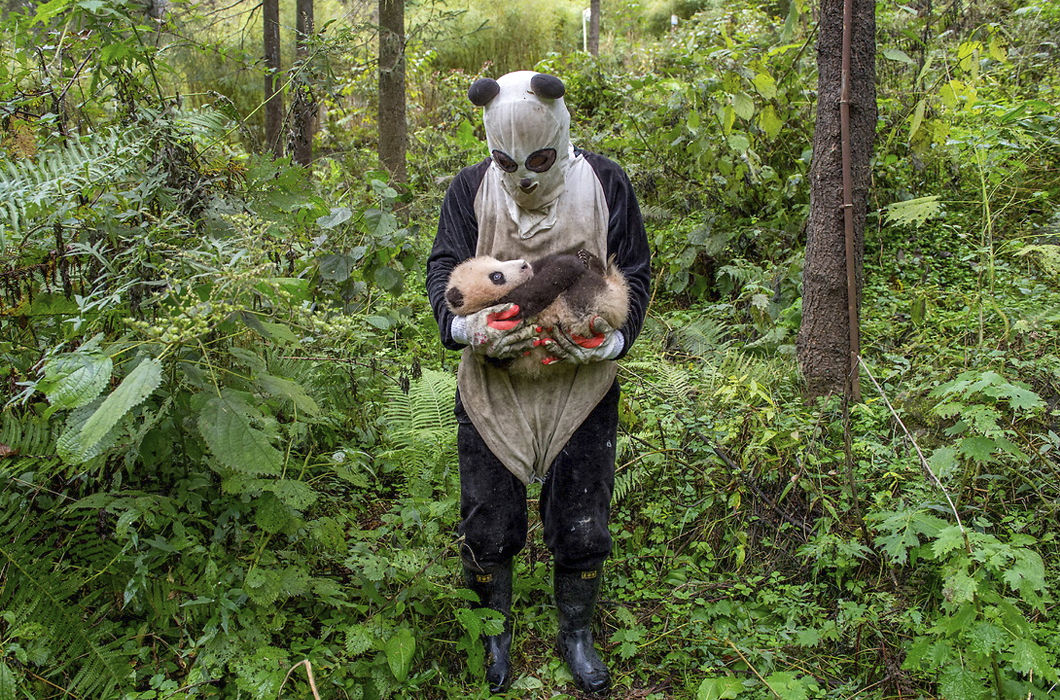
pixel 576 594
pixel 494 589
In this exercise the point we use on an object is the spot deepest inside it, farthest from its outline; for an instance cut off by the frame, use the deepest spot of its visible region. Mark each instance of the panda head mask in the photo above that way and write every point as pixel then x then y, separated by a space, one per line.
pixel 528 134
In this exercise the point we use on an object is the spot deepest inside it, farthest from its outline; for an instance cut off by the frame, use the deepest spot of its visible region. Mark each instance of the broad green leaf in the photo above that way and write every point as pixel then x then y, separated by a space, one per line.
pixel 766 86
pixel 979 448
pixel 724 688
pixel 769 122
pixel 743 105
pixel 287 389
pixel 958 683
pixel 465 136
pixel 997 51
pixel 1027 569
pixel 336 267
pixel 69 445
pixel 279 332
pixel 381 322
pixel 225 425
pixel 739 142
pixel 789 686
pixel 271 515
pixel 987 638
pixel 50 9
pixel 337 215
pixel 133 390
pixel 918 118
pixel 693 120
pixel 898 55
pixel 296 287
pixel 379 223
pixel 968 54
pixel 949 539
pixel 1028 657
pixel 943 461
pixel 388 279
pixel 1020 398
pixel 359 639
pixel 959 587
pixel 918 312
pixel 399 650
pixel 914 211
pixel 75 379
pixel 293 493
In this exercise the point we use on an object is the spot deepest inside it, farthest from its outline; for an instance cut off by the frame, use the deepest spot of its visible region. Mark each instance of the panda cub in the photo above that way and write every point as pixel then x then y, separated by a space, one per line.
pixel 559 290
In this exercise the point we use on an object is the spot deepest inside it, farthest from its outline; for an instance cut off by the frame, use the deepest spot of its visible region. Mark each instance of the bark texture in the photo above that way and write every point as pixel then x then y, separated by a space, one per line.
pixel 824 337
pixel 393 132
pixel 304 109
pixel 594 28
pixel 273 80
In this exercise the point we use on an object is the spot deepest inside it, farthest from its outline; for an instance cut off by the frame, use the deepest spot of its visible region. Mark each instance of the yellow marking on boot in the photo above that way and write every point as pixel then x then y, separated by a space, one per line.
pixel 589 574
pixel 483 578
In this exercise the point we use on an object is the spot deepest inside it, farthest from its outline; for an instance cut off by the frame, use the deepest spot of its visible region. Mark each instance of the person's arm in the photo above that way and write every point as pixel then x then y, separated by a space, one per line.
pixel 626 241
pixel 455 242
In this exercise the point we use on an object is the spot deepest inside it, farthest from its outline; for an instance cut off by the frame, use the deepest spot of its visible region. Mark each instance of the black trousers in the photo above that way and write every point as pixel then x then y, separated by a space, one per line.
pixel 575 497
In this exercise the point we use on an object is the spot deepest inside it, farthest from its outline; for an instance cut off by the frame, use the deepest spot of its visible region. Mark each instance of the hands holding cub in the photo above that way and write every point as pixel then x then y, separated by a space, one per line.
pixel 495 332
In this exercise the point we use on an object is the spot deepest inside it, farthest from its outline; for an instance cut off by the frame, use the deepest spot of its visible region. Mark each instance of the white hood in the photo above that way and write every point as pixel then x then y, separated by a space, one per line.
pixel 526 128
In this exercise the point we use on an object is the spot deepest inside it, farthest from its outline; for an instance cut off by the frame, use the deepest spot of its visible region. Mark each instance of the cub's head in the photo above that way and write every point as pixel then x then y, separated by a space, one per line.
pixel 481 281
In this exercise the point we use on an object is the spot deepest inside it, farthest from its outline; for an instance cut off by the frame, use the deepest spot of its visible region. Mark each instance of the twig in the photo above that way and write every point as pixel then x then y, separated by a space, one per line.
pixel 920 454
pixel 751 666
pixel 308 672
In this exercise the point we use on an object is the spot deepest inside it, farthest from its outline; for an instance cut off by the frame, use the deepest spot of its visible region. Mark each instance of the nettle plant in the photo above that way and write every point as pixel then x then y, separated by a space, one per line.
pixel 984 630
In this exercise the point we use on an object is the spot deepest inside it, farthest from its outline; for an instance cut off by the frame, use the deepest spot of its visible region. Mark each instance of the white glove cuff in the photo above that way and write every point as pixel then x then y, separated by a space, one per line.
pixel 458 330
pixel 617 344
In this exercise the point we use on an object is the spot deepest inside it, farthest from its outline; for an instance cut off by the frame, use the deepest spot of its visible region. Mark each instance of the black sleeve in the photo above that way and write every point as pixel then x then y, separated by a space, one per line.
pixel 456 241
pixel 626 241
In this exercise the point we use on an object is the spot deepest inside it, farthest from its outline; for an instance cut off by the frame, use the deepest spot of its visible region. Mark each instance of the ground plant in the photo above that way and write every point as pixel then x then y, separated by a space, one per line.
pixel 227 444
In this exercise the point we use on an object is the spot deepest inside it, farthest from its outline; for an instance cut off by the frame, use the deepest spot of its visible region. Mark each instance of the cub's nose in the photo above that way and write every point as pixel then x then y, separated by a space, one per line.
pixel 525 183
pixel 524 265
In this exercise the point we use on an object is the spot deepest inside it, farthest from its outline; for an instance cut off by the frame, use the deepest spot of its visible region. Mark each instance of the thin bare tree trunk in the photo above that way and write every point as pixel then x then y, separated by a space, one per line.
pixel 824 341
pixel 304 108
pixel 594 27
pixel 393 136
pixel 273 97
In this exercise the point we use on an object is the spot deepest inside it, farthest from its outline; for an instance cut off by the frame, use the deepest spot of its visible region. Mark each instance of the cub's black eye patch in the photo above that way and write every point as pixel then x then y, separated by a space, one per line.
pixel 455 298
pixel 504 161
pixel 497 277
pixel 540 161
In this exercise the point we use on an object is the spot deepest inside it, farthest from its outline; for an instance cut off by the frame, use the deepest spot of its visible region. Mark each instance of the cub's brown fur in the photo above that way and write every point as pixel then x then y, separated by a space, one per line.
pixel 559 290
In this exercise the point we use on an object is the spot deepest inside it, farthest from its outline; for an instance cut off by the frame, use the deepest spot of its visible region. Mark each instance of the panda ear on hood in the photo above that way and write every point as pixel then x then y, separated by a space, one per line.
pixel 547 87
pixel 482 91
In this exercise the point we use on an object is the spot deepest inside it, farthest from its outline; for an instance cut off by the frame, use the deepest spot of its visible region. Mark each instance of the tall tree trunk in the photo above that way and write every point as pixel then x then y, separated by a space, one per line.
pixel 594 27
pixel 393 136
pixel 825 344
pixel 273 97
pixel 304 107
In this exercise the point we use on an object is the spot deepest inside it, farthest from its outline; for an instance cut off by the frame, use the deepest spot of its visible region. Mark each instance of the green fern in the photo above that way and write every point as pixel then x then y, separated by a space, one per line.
pixel 421 425
pixel 30 188
pixel 37 591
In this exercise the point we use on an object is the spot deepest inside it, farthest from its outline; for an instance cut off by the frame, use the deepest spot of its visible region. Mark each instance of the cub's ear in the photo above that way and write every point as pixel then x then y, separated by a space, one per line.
pixel 547 87
pixel 455 297
pixel 482 91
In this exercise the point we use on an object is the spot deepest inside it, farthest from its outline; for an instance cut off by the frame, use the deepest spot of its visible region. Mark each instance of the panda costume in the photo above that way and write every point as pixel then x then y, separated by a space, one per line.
pixel 536 196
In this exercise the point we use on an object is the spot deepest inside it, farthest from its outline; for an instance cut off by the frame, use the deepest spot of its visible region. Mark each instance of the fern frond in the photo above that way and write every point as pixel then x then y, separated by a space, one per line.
pixel 421 424
pixel 35 590
pixel 43 187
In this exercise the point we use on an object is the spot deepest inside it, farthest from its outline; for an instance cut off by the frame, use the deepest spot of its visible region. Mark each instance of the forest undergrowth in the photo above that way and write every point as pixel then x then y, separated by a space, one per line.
pixel 227 446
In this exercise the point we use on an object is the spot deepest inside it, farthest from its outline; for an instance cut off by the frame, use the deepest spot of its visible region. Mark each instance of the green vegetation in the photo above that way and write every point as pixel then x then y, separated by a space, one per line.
pixel 227 443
